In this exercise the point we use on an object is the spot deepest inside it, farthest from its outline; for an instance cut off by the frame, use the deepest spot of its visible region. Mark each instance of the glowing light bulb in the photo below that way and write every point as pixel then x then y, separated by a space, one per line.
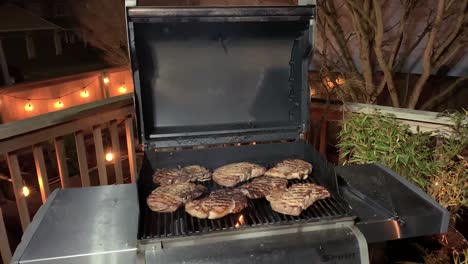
pixel 84 93
pixel 123 89
pixel 26 191
pixel 109 156
pixel 313 92
pixel 340 81
pixel 329 83
pixel 29 107
pixel 58 104
pixel 105 80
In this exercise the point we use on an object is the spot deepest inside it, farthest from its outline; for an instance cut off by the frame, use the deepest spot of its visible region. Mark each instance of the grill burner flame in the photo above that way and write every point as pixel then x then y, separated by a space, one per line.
pixel 240 221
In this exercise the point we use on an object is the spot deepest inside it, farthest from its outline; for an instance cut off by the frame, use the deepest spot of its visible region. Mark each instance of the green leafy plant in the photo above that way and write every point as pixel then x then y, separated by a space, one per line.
pixel 382 139
pixel 436 164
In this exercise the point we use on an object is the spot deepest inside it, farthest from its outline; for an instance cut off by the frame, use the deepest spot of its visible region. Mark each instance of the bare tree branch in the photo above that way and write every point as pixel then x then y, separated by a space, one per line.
pixel 379 31
pixel 427 67
pixel 328 10
pixel 444 94
pixel 364 49
pixel 421 36
pixel 408 6
pixel 456 32
pixel 104 30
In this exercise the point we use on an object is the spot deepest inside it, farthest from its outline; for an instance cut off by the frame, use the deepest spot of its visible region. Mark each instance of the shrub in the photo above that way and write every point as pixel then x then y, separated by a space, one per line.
pixel 434 163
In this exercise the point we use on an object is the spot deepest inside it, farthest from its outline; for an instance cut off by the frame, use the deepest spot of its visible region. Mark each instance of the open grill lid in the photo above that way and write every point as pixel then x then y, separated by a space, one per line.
pixel 220 75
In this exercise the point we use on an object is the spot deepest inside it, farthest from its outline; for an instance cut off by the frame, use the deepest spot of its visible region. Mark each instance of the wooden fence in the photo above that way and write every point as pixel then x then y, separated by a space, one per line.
pixel 33 132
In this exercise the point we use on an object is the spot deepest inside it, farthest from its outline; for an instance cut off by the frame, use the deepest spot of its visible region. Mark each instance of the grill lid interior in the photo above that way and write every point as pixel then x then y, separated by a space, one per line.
pixel 219 75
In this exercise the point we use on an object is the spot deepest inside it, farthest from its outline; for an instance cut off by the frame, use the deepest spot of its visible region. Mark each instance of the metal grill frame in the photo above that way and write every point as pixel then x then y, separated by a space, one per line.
pixel 162 226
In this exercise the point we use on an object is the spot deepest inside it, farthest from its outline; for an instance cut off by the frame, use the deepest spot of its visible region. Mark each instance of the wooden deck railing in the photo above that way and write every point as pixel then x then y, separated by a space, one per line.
pixel 33 132
pixel 322 115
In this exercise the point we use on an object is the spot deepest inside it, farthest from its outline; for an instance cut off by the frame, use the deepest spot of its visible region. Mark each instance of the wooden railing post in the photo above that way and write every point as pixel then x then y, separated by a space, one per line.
pixel 62 161
pixel 114 132
pixel 17 181
pixel 82 159
pixel 131 148
pixel 41 172
pixel 5 250
pixel 100 156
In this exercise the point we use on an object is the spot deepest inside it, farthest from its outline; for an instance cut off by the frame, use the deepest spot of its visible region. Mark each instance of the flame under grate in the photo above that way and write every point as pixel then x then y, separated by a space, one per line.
pixel 258 213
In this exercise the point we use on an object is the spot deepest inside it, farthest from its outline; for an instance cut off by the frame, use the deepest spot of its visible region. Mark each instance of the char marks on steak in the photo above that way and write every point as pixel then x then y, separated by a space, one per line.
pixel 218 204
pixel 295 199
pixel 291 169
pixel 167 199
pixel 192 173
pixel 197 173
pixel 232 174
pixel 263 186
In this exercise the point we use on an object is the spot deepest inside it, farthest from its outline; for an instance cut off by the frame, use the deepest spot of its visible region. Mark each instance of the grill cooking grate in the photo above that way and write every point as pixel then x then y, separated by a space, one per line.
pixel 258 213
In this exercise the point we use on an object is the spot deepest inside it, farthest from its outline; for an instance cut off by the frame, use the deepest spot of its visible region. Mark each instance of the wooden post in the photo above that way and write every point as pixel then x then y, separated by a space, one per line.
pixel 3 66
pixel 104 86
pixel 100 156
pixel 131 148
pixel 30 49
pixel 62 162
pixel 41 172
pixel 17 181
pixel 5 249
pixel 114 132
pixel 58 43
pixel 82 159
pixel 323 137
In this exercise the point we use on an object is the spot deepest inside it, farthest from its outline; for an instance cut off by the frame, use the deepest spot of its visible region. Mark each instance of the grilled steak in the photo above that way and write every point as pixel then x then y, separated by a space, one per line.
pixel 168 198
pixel 291 169
pixel 232 174
pixel 218 204
pixel 263 186
pixel 198 173
pixel 295 199
pixel 187 174
pixel 170 176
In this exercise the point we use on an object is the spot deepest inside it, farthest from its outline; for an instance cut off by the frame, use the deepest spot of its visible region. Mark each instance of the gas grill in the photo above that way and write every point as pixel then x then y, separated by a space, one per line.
pixel 213 86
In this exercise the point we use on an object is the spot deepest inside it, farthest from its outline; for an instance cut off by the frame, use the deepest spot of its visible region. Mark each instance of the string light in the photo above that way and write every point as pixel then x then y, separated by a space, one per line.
pixel 123 89
pixel 26 191
pixel 329 83
pixel 29 107
pixel 105 80
pixel 109 156
pixel 313 92
pixel 84 93
pixel 58 104
pixel 340 81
